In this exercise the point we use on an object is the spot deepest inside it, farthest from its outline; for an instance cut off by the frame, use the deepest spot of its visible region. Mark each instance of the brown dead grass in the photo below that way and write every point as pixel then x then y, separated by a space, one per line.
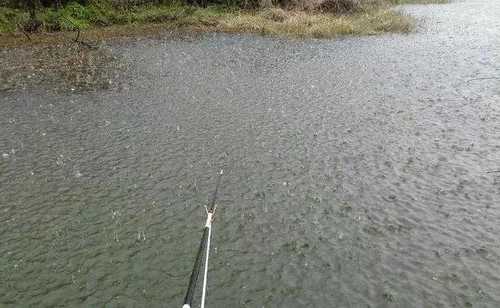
pixel 317 25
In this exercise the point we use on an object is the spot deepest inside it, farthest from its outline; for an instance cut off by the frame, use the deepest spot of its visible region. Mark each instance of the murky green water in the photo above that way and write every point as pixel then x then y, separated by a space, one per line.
pixel 360 172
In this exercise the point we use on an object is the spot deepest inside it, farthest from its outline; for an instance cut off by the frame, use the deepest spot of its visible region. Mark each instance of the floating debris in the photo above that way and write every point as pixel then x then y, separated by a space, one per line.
pixel 388 297
pixel 63 67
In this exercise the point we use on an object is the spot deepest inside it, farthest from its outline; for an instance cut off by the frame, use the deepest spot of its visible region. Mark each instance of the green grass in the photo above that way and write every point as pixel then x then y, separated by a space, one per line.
pixel 101 14
pixel 10 19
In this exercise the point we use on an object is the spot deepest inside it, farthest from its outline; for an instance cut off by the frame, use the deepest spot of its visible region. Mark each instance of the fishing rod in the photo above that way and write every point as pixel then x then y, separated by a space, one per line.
pixel 204 249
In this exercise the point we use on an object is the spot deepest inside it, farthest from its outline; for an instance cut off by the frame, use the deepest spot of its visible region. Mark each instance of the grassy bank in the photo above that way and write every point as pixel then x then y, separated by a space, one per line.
pixel 296 23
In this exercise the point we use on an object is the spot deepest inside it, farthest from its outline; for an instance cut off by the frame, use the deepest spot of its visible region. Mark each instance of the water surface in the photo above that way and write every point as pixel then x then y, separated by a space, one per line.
pixel 359 172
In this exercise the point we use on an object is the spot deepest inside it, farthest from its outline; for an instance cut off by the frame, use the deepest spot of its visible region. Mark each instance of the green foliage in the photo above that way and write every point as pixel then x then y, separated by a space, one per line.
pixel 74 16
pixel 103 13
pixel 11 18
pixel 71 17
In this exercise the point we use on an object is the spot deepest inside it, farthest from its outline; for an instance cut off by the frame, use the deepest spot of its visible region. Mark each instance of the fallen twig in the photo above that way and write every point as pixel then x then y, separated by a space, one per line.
pixel 24 32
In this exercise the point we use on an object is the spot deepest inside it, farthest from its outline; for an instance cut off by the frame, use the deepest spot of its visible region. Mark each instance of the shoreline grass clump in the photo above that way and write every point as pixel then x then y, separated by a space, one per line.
pixel 317 25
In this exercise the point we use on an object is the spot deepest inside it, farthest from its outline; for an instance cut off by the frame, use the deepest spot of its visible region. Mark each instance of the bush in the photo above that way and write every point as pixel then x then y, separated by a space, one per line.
pixel 10 19
pixel 73 16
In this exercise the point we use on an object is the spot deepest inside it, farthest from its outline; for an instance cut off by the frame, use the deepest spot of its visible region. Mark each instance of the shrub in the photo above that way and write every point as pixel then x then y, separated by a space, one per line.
pixel 10 18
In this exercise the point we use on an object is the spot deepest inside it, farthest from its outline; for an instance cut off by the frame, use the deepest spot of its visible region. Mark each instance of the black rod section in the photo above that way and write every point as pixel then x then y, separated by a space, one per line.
pixel 188 299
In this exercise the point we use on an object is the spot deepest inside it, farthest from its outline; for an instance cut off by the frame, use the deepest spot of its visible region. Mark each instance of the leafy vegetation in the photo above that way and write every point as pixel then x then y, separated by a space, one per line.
pixel 11 18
